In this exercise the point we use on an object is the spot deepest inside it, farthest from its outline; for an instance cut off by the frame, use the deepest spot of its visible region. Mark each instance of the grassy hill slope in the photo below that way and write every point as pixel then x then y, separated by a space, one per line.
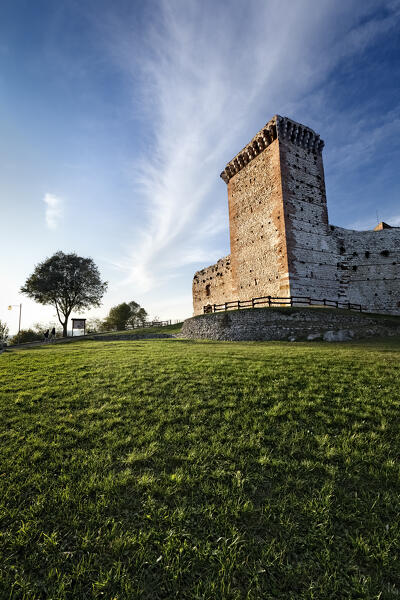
pixel 174 328
pixel 160 469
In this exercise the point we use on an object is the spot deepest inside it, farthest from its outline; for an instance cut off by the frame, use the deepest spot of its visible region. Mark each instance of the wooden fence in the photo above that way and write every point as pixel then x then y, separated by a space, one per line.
pixel 150 324
pixel 288 301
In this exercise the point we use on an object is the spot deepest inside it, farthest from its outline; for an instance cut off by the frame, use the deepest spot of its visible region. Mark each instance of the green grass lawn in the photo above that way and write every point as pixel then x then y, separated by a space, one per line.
pixel 160 469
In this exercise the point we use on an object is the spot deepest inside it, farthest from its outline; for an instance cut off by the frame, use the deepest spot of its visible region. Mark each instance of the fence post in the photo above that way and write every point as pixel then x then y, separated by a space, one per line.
pixel 269 301
pixel 324 301
pixel 226 306
pixel 238 304
pixel 291 300
pixel 213 307
pixel 337 303
pixel 309 301
pixel 252 303
pixel 348 305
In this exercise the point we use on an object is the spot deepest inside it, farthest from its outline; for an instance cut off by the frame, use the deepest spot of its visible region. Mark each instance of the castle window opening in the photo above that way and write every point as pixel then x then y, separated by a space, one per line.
pixel 208 290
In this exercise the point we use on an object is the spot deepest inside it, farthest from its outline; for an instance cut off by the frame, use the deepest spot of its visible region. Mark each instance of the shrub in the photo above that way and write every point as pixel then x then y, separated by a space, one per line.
pixel 94 325
pixel 26 335
pixel 3 331
pixel 40 328
pixel 122 316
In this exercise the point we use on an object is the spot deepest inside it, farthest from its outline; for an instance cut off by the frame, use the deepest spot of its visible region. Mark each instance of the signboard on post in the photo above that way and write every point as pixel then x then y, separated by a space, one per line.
pixel 78 324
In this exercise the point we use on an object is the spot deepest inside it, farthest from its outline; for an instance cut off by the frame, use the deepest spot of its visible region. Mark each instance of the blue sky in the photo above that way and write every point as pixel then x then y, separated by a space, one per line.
pixel 117 118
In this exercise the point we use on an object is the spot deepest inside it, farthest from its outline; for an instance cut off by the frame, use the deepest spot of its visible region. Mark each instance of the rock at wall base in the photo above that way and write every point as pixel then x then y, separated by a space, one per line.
pixel 312 337
pixel 342 335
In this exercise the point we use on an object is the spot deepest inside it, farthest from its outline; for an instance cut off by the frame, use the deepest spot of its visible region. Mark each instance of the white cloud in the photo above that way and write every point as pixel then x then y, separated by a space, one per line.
pixel 212 74
pixel 54 210
pixel 394 221
pixel 364 141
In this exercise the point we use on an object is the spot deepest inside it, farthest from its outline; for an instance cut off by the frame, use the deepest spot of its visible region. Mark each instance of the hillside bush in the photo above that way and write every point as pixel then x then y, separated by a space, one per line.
pixel 123 316
pixel 26 335
pixel 40 328
pixel 3 331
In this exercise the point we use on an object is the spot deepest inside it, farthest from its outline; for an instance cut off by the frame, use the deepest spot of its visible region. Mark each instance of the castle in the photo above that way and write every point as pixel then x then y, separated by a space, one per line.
pixel 281 241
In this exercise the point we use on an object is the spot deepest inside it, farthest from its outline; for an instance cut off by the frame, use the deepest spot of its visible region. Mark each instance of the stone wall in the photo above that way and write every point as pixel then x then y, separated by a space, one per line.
pixel 213 285
pixel 292 324
pixel 312 256
pixel 369 267
pixel 257 233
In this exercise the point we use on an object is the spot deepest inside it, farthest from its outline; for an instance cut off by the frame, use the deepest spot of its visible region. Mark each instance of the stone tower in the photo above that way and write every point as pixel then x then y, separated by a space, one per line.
pixel 277 212
pixel 281 242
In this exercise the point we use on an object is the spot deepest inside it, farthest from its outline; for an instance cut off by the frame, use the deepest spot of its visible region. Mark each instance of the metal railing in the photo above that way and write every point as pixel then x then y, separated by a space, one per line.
pixel 276 301
pixel 139 326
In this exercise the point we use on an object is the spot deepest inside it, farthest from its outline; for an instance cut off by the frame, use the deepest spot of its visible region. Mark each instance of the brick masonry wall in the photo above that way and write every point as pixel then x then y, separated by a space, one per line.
pixel 257 233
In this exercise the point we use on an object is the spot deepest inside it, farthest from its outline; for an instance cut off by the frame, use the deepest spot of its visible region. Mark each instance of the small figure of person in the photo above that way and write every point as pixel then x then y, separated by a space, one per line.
pixel 53 333
pixel 46 335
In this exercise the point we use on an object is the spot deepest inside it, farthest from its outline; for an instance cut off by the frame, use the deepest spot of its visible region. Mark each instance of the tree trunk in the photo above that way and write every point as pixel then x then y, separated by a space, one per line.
pixel 65 322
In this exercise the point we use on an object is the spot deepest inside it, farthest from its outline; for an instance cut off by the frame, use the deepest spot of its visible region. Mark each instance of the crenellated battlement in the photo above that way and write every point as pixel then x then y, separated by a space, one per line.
pixel 260 141
pixel 299 134
pixel 278 127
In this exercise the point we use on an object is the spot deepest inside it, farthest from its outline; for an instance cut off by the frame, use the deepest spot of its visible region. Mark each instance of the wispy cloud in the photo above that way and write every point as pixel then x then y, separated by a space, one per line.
pixel 54 210
pixel 211 75
pixel 364 140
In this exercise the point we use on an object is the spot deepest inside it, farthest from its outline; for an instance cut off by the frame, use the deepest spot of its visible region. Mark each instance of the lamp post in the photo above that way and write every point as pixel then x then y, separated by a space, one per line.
pixel 19 321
